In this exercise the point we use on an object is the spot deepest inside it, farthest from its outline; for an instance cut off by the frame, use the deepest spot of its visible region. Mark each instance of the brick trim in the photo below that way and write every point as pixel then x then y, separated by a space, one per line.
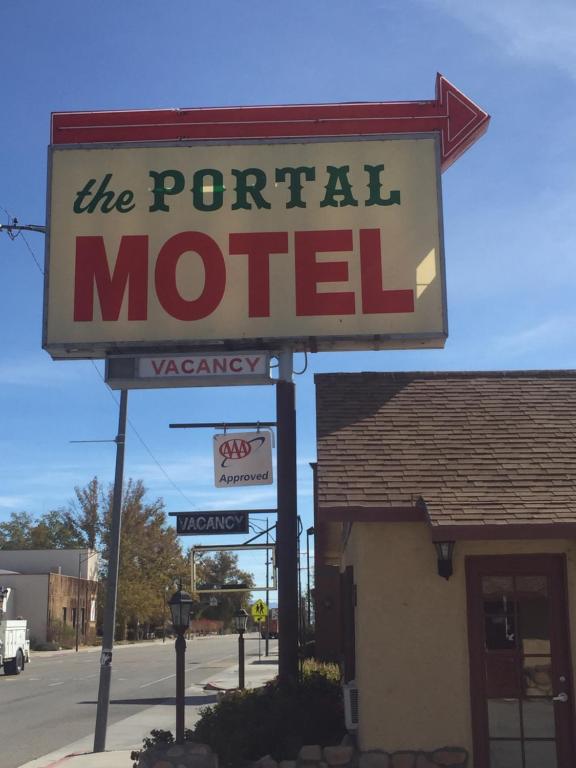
pixel 439 532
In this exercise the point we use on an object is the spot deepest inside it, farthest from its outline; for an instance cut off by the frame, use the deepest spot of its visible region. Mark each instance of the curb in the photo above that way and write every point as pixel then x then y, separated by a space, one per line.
pixel 117 647
pixel 212 687
pixel 61 760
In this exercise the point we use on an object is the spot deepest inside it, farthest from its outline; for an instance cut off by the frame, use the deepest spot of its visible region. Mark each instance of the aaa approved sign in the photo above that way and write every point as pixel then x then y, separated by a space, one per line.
pixel 242 458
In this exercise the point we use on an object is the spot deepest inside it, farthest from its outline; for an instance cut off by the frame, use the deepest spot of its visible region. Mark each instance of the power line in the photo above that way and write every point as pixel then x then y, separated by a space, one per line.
pixel 32 254
pixel 14 230
pixel 14 227
pixel 146 448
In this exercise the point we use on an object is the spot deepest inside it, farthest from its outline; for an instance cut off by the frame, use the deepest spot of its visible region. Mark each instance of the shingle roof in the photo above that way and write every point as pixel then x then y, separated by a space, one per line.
pixel 478 448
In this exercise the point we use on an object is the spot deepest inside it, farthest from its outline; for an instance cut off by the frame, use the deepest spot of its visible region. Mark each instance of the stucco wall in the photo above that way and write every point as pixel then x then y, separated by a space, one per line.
pixel 411 634
pixel 30 600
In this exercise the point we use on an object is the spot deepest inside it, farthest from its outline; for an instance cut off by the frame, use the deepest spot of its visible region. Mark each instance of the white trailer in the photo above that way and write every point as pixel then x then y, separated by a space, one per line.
pixel 14 639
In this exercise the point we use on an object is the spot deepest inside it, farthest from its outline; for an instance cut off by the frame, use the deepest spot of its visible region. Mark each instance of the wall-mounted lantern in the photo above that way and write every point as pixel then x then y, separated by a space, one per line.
pixel 444 552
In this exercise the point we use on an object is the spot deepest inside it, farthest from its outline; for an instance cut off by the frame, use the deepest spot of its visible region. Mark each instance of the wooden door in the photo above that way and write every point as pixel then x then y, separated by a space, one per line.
pixel 520 662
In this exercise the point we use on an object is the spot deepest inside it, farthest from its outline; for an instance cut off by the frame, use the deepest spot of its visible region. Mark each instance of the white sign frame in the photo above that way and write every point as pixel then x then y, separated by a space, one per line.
pixel 208 369
pixel 243 459
pixel 411 245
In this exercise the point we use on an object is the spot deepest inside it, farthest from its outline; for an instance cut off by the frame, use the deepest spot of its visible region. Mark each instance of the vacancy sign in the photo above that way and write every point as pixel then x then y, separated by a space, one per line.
pixel 242 458
pixel 200 523
pixel 314 226
pixel 193 370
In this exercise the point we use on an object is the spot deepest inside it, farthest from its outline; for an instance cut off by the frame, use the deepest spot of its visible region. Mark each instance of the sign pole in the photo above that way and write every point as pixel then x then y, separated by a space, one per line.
pixel 112 584
pixel 267 635
pixel 287 551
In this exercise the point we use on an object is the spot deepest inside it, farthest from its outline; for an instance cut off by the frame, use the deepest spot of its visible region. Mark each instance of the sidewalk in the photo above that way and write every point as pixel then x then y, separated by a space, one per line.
pixel 124 736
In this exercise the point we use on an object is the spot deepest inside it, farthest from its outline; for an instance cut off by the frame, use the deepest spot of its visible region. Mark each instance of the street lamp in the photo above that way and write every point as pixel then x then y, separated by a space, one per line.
pixel 181 610
pixel 240 622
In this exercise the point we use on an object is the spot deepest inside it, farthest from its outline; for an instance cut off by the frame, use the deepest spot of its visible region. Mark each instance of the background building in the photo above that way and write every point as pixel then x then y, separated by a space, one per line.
pixel 55 590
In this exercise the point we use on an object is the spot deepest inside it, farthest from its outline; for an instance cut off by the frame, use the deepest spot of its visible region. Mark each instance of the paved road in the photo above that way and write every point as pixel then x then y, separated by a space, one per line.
pixel 53 702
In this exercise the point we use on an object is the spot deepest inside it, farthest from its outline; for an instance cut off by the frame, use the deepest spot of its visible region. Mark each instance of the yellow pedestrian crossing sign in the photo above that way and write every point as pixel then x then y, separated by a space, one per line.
pixel 259 610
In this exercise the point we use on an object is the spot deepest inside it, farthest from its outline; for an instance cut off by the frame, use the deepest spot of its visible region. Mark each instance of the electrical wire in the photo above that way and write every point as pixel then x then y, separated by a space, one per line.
pixel 296 373
pixel 299 373
pixel 13 221
pixel 131 425
pixel 143 443
pixel 21 234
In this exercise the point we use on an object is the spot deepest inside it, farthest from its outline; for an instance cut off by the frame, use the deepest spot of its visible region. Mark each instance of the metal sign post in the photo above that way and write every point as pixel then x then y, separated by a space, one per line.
pixel 259 612
pixel 287 527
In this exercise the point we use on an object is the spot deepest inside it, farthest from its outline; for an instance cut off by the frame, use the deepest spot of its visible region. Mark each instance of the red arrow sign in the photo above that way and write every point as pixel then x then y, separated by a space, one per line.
pixel 458 120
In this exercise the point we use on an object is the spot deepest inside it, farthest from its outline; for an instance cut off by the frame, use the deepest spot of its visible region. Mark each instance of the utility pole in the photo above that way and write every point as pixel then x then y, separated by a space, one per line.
pixel 14 227
pixel 112 584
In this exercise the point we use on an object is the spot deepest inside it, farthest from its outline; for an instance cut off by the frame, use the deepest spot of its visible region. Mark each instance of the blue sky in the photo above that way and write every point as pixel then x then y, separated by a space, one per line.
pixel 508 203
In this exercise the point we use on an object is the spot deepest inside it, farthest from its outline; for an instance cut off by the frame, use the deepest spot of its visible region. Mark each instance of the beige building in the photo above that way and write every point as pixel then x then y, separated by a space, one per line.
pixel 445 548
pixel 55 590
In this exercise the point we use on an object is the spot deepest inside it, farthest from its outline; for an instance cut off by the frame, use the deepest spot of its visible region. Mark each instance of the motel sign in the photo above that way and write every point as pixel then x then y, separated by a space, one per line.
pixel 315 227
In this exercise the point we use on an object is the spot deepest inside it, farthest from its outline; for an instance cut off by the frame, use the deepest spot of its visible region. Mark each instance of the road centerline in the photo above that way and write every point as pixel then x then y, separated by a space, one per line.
pixel 160 680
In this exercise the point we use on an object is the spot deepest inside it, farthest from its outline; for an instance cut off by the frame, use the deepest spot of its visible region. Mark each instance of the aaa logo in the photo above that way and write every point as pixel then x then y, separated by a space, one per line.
pixel 238 448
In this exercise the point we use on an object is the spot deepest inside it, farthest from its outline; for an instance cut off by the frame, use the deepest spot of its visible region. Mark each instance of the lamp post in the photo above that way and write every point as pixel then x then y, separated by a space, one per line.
pixel 240 622
pixel 181 610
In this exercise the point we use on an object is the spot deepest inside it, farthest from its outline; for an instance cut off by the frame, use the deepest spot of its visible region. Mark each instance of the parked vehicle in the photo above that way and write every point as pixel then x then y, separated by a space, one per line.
pixel 14 638
pixel 269 627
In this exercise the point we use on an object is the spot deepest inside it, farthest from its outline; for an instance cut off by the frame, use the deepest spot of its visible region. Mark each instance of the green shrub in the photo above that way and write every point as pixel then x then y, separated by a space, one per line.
pixel 275 720
pixel 36 646
pixel 158 736
pixel 63 634
pixel 327 669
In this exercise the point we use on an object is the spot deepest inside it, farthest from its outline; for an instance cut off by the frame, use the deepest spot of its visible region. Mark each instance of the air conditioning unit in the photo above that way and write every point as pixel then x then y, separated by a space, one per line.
pixel 351 705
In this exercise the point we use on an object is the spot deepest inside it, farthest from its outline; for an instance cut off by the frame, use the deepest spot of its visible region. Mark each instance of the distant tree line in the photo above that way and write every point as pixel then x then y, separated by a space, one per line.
pixel 152 562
